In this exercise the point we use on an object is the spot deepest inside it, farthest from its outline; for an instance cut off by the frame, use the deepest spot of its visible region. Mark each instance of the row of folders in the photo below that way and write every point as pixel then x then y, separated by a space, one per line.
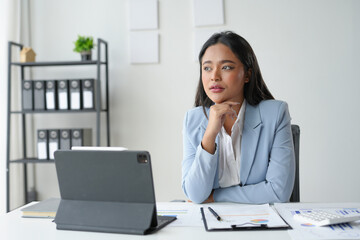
pixel 50 140
pixel 73 94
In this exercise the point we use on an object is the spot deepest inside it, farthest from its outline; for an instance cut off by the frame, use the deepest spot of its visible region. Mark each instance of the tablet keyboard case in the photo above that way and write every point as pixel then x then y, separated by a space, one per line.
pixel 106 191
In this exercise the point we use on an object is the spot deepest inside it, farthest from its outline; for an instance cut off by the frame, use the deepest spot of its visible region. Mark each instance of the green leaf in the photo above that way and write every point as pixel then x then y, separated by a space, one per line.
pixel 84 43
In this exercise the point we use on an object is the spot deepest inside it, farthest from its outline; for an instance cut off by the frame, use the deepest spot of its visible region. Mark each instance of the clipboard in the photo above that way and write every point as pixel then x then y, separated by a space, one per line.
pixel 242 227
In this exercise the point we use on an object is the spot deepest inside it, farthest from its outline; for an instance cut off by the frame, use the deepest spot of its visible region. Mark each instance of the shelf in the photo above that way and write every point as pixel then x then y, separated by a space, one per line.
pixel 32 160
pixel 57 111
pixel 60 63
pixel 101 65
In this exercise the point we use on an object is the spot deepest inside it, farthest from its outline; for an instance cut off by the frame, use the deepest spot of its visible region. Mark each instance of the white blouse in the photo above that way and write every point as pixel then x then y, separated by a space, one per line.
pixel 229 151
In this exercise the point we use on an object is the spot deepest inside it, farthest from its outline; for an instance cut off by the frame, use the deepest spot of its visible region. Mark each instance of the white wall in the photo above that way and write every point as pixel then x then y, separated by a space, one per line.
pixel 10 31
pixel 308 52
pixel 3 104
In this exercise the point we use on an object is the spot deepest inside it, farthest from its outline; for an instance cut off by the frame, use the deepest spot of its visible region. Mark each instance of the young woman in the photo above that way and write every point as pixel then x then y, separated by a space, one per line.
pixel 237 140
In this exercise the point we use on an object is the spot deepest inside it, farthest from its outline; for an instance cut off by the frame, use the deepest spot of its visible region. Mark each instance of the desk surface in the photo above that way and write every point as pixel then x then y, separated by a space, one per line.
pixel 13 226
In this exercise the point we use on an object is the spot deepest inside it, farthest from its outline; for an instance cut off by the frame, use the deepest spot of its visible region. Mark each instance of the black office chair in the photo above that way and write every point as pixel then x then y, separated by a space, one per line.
pixel 295 196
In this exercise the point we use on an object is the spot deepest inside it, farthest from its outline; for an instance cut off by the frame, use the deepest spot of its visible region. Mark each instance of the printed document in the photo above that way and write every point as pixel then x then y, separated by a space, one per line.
pixel 189 215
pixel 309 231
pixel 242 215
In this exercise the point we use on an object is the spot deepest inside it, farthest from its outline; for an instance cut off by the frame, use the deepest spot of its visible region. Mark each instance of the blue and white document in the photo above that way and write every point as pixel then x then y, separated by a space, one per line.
pixel 242 216
pixel 303 230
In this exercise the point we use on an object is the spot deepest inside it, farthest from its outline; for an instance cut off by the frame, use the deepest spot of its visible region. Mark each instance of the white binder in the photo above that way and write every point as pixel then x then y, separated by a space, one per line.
pixel 63 95
pixel 53 146
pixel 54 143
pixel 88 93
pixel 41 148
pixel 50 95
pixel 42 144
pixel 75 100
pixel 75 95
pixel 88 99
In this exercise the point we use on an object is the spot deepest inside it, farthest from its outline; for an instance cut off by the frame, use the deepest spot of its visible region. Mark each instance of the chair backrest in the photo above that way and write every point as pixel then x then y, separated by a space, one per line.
pixel 295 196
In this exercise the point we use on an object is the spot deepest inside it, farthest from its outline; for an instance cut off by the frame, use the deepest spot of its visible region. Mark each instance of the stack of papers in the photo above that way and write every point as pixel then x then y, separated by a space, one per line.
pixel 43 209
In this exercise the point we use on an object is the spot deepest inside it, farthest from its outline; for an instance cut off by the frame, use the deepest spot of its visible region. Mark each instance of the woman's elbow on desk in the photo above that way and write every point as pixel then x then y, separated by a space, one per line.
pixel 282 193
pixel 195 194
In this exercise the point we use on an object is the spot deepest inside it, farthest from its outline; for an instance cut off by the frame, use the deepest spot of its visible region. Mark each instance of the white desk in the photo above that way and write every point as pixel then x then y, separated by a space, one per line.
pixel 13 226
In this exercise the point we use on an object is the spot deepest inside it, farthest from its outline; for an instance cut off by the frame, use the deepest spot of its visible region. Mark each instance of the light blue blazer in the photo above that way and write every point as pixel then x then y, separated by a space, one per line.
pixel 267 161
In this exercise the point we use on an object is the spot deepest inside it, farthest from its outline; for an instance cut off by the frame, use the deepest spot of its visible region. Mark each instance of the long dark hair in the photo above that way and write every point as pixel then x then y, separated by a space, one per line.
pixel 255 90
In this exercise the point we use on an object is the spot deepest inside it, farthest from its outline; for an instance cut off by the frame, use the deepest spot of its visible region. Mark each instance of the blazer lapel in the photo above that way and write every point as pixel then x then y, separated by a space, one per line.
pixel 205 121
pixel 249 140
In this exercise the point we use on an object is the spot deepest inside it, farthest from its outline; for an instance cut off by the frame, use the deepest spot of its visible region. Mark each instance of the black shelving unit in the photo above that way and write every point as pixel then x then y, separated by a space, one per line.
pixel 101 46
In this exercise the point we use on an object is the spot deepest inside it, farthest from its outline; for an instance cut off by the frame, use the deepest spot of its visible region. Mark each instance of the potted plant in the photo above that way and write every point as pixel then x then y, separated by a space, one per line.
pixel 84 45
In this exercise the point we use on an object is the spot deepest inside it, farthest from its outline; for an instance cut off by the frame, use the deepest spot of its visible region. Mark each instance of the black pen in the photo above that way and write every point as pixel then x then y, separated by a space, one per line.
pixel 214 213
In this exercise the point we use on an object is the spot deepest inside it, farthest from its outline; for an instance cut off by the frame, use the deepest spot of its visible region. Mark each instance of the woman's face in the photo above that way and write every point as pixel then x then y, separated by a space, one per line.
pixel 223 75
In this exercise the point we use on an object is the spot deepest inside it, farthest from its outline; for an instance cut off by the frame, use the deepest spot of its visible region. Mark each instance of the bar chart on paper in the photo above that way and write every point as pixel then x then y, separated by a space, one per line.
pixel 243 215
pixel 325 217
pixel 303 230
